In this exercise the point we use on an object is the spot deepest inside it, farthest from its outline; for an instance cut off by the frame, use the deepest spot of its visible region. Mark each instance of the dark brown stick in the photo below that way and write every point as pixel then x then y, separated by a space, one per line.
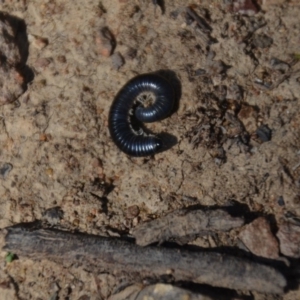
pixel 117 256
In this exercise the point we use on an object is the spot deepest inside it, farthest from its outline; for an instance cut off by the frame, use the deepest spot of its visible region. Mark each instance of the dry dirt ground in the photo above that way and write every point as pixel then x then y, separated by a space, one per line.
pixel 238 75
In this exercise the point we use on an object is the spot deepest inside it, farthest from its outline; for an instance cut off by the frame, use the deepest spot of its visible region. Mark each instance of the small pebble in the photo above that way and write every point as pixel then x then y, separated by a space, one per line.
pixel 264 133
pixel 41 64
pixel 135 221
pixel 234 92
pixel 280 201
pixel 248 115
pixel 259 239
pixel 53 215
pixel 37 41
pixel 5 170
pixel 132 212
pixel 277 64
pixel 200 72
pixel 117 60
pixel 49 172
pixel 105 42
pixel 262 41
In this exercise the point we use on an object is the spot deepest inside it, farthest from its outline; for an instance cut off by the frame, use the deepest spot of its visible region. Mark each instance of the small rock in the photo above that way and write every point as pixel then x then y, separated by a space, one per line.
pixel 262 41
pixel 37 41
pixel 5 170
pixel 199 72
pixel 117 60
pixel 105 42
pixel 277 64
pixel 264 133
pixel 234 92
pixel 49 172
pixel 258 238
pixel 135 221
pixel 280 201
pixel 132 212
pixel 289 239
pixel 53 215
pixel 41 64
pixel 245 7
pixel 248 115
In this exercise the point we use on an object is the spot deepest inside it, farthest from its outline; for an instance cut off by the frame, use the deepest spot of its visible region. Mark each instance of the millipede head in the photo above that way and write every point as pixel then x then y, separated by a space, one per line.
pixel 159 144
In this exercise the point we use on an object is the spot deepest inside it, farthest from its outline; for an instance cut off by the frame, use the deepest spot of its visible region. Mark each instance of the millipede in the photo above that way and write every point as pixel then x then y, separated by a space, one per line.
pixel 145 98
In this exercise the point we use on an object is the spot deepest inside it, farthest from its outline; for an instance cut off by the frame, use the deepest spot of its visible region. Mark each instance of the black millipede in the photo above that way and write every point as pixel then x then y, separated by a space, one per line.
pixel 145 98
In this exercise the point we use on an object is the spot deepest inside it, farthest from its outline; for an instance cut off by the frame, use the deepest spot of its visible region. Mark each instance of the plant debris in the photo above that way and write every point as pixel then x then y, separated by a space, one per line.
pixel 184 225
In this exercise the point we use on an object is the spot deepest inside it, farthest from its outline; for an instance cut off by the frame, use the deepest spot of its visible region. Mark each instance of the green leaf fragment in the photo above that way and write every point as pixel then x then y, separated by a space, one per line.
pixel 297 55
pixel 9 257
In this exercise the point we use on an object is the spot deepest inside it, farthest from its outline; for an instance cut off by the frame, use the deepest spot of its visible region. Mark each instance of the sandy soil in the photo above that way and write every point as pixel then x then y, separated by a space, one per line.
pixel 56 139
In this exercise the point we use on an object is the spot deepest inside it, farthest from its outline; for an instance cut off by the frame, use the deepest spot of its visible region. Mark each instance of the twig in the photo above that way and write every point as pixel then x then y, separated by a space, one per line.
pixel 200 21
pixel 98 254
pixel 183 224
pixel 201 28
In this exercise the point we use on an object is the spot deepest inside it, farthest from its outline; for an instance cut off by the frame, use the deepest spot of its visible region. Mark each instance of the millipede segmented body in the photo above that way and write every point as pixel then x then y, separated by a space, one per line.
pixel 131 106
